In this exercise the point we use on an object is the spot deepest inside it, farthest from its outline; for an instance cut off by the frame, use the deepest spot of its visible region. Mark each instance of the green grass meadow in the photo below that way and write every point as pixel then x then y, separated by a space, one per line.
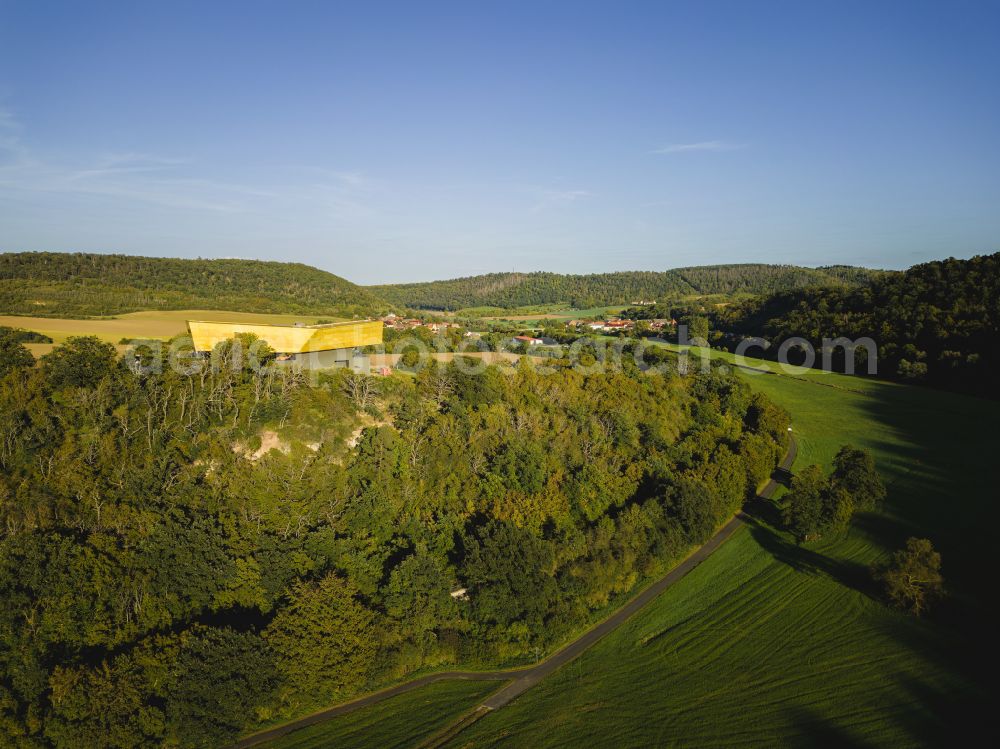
pixel 402 721
pixel 771 644
pixel 768 643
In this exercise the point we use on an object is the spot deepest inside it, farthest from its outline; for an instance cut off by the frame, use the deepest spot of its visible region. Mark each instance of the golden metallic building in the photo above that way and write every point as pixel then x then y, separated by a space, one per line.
pixel 313 346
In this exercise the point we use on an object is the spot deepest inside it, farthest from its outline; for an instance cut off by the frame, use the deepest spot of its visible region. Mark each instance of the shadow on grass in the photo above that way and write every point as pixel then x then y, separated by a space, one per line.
pixel 943 450
pixel 937 452
pixel 956 707
pixel 766 509
pixel 945 717
pixel 815 731
pixel 880 530
pixel 803 559
pixel 935 717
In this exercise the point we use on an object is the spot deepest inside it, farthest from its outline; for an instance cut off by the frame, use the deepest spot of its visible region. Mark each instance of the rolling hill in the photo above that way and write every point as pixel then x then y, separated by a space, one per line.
pixel 83 284
pixel 935 324
pixel 510 290
pixel 51 284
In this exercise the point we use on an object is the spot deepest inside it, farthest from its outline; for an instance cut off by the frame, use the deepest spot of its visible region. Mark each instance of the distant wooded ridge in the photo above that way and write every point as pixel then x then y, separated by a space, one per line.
pixel 937 323
pixel 85 284
pixel 510 290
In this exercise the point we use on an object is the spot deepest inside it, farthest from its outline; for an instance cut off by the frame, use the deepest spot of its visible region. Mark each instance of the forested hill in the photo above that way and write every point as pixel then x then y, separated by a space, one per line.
pixel 165 586
pixel 937 323
pixel 583 291
pixel 767 279
pixel 80 284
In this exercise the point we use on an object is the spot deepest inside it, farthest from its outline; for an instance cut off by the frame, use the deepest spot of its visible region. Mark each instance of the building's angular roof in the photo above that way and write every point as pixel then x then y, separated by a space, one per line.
pixel 290 339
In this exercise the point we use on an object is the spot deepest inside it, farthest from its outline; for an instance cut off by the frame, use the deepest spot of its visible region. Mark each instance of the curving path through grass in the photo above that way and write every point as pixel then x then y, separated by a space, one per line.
pixel 521 680
pixel 769 643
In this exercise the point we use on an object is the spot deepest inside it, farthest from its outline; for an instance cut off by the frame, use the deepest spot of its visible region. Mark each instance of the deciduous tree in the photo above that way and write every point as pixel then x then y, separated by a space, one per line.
pixel 912 577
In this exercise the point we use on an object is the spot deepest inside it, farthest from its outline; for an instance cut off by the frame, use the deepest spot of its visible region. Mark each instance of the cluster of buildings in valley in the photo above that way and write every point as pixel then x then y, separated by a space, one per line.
pixel 342 344
pixel 663 324
pixel 394 322
pixel 616 325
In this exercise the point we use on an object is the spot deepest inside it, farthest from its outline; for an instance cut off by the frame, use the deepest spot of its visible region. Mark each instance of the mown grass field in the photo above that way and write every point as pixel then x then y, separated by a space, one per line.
pixel 768 643
pixel 402 721
pixel 161 324
pixel 771 644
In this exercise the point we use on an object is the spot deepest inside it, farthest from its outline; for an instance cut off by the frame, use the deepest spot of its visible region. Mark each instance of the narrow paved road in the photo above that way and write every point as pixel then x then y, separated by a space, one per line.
pixel 521 680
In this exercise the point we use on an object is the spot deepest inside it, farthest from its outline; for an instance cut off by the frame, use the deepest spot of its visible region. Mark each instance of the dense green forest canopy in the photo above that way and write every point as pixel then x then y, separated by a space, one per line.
pixel 90 284
pixel 937 323
pixel 165 582
pixel 84 284
pixel 509 290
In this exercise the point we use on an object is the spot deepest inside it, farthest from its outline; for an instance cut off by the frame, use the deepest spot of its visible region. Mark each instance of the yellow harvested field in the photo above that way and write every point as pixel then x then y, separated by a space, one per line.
pixel 152 324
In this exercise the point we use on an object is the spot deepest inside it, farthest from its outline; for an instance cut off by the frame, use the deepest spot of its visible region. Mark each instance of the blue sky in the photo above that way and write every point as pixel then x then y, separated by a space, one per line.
pixel 411 141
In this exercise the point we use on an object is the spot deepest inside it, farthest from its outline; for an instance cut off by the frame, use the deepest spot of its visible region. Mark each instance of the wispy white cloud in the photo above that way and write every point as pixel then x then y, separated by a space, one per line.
pixel 125 163
pixel 7 121
pixel 351 178
pixel 341 194
pixel 168 181
pixel 549 198
pixel 705 145
pixel 11 148
pixel 127 184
